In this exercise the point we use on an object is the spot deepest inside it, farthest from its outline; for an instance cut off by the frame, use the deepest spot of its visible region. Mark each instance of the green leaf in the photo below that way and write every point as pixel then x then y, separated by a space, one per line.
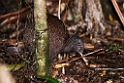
pixel 14 67
pixel 49 79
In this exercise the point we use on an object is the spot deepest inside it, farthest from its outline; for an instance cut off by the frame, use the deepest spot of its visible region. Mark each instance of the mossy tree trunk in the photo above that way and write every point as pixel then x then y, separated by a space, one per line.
pixel 41 38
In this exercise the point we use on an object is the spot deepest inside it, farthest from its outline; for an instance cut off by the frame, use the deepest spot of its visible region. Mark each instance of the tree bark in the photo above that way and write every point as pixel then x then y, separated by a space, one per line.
pixel 94 17
pixel 41 39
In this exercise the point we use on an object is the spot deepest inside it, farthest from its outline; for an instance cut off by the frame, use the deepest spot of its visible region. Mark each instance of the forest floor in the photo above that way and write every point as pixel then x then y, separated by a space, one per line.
pixel 104 66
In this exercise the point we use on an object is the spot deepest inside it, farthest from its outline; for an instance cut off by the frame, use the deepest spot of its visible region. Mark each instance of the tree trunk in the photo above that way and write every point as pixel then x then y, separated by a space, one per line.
pixel 94 18
pixel 41 39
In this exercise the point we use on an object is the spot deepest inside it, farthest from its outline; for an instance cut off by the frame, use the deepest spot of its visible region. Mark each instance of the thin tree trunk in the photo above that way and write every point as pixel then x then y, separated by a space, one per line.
pixel 41 39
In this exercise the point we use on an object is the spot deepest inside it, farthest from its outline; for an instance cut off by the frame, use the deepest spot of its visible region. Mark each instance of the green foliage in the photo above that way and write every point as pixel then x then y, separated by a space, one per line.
pixel 115 47
pixel 48 79
pixel 14 67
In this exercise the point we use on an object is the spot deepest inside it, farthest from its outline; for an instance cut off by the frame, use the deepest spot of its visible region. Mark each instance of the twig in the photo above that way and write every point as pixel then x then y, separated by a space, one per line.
pixel 85 55
pixel 11 17
pixel 112 69
pixel 15 13
pixel 116 39
pixel 66 62
pixel 118 11
pixel 59 9
pixel 113 38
